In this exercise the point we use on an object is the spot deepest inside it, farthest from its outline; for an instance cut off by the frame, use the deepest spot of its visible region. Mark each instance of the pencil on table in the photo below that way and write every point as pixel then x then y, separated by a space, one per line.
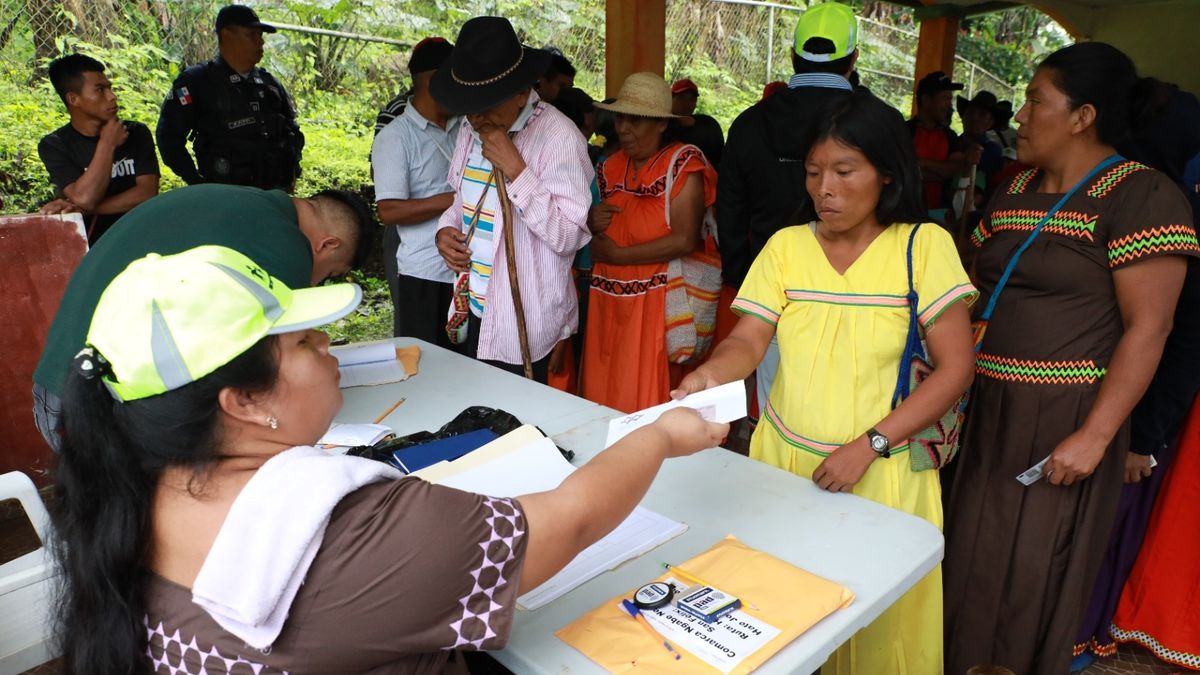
pixel 389 411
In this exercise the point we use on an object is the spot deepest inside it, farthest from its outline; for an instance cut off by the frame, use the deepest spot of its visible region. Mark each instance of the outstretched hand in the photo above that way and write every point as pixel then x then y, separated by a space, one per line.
pixel 697 380
pixel 689 432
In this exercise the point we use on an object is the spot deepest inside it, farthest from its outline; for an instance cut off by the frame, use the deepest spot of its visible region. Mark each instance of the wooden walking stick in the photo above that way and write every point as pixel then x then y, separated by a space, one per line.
pixel 510 256
pixel 968 199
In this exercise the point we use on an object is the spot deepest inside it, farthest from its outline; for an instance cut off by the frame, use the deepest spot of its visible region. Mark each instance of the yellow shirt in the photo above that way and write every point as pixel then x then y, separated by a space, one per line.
pixel 841 336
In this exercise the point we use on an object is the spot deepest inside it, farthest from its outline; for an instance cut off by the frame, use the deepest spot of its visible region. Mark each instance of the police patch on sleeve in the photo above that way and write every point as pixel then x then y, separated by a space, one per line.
pixel 184 96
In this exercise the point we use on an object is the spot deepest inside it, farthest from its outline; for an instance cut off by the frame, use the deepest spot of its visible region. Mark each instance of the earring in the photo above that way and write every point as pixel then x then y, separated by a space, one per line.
pixel 272 422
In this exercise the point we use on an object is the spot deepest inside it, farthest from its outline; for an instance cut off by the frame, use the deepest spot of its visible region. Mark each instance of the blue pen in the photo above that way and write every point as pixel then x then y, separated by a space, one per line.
pixel 637 616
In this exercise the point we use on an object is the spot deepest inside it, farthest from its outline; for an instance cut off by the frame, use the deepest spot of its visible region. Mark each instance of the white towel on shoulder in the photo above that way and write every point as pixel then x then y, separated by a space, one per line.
pixel 272 533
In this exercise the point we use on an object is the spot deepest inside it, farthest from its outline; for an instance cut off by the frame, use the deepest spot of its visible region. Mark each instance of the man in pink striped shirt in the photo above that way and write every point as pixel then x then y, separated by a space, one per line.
pixel 510 135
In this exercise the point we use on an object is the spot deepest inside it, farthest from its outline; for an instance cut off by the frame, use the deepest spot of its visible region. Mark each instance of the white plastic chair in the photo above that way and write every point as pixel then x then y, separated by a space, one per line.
pixel 26 587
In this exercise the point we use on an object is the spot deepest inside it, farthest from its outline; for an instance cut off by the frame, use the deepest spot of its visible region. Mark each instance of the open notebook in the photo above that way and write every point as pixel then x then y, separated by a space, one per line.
pixel 524 461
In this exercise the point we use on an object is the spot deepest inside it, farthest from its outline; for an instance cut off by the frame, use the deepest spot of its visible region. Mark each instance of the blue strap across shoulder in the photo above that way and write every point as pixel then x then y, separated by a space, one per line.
pixel 912 344
pixel 1012 262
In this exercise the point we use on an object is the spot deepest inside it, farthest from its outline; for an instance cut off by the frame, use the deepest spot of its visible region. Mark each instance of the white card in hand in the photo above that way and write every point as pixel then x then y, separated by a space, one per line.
pixel 725 403
pixel 1033 474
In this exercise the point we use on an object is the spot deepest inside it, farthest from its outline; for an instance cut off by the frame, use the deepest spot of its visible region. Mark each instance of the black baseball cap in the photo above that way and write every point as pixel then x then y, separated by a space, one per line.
pixel 937 81
pixel 240 15
pixel 429 54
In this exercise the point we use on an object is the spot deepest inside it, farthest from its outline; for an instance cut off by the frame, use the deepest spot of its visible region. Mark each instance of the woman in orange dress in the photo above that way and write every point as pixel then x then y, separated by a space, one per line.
pixel 625 349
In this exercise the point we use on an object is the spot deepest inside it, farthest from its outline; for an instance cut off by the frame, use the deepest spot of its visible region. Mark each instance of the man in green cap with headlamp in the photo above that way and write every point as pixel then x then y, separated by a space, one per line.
pixel 762 170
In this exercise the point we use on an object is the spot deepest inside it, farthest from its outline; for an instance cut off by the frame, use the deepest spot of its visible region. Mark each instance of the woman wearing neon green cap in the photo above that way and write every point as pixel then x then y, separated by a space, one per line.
pixel 199 531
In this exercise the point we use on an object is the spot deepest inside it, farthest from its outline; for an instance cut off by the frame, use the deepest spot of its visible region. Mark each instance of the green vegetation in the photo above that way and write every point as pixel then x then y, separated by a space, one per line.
pixel 339 84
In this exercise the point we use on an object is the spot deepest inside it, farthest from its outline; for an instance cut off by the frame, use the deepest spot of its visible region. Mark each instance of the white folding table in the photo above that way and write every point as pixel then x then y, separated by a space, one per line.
pixel 877 552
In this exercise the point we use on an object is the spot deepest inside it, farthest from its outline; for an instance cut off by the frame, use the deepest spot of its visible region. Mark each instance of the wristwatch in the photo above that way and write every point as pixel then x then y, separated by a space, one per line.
pixel 879 443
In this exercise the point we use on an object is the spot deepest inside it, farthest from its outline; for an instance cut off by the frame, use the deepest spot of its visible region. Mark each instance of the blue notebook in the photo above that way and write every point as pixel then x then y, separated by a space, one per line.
pixel 417 457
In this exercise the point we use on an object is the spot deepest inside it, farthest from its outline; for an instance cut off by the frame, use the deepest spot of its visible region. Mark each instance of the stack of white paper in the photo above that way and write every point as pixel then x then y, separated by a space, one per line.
pixel 368 364
pixel 342 437
pixel 523 462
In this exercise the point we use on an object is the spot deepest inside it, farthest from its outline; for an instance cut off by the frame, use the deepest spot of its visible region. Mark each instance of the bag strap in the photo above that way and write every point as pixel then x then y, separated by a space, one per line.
pixel 479 205
pixel 1012 262
pixel 912 343
pixel 671 177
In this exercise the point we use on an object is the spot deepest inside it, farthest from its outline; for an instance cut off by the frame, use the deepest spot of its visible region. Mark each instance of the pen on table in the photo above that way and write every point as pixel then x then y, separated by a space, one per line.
pixel 687 576
pixel 390 410
pixel 637 616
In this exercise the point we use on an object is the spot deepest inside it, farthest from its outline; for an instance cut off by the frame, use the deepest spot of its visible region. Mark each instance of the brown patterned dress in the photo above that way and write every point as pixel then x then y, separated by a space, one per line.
pixel 1020 561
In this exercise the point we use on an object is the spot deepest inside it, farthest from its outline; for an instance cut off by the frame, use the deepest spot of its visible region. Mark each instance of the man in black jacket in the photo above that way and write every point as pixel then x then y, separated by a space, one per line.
pixel 762 170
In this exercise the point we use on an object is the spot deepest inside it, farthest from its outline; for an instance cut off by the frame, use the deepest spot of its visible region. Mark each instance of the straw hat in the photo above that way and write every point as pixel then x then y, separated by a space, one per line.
pixel 642 95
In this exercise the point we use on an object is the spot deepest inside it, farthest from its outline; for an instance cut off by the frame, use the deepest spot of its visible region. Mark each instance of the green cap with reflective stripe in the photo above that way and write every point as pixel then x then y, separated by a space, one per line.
pixel 166 321
pixel 831 21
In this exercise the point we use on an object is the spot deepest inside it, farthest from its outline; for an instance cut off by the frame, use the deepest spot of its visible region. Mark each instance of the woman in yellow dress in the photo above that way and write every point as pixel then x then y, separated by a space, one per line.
pixel 835 291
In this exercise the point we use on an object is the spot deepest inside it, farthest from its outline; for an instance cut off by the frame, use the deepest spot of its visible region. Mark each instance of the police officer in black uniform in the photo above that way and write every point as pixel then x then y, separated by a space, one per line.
pixel 239 118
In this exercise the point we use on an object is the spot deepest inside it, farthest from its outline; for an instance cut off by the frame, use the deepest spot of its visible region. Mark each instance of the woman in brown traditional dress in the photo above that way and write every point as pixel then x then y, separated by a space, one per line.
pixel 1071 346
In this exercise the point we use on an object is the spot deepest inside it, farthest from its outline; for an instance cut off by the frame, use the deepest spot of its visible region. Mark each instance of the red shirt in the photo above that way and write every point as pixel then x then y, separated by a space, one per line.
pixel 932 143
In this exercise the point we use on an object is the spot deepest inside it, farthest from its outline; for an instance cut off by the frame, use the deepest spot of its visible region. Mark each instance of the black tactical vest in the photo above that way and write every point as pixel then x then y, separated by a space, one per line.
pixel 247 134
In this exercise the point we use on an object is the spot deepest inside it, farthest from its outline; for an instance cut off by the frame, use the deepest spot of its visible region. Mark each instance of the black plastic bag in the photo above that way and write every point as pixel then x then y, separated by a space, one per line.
pixel 472 419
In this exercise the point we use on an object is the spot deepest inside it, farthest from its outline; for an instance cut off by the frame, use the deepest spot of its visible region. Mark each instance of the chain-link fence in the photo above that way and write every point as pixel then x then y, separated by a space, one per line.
pixel 737 46
pixel 343 59
pixel 741 44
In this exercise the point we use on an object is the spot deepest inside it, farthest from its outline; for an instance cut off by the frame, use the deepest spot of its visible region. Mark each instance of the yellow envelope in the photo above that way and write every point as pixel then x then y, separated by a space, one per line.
pixel 785 596
pixel 408 357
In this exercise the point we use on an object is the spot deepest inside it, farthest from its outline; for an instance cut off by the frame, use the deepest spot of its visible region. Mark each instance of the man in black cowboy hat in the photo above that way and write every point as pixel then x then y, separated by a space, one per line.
pixel 515 155
pixel 240 118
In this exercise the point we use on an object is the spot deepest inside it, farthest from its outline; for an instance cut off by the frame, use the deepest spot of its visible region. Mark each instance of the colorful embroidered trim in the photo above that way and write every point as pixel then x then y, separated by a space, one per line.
pixel 623 287
pixel 1022 181
pixel 744 306
pixel 794 439
pixel 1068 223
pixel 1113 177
pixel 1038 372
pixel 656 188
pixel 980 234
pixel 1167 239
pixel 1169 655
pixel 1103 651
pixel 849 299
pixel 930 314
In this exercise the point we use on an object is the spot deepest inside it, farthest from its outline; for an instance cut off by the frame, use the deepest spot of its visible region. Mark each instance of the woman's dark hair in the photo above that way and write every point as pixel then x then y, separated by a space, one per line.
pixel 1099 74
pixel 112 457
pixel 877 130
pixel 575 104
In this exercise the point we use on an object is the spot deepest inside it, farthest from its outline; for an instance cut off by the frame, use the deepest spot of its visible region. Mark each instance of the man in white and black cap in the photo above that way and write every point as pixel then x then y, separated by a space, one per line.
pixel 241 119
pixel 516 155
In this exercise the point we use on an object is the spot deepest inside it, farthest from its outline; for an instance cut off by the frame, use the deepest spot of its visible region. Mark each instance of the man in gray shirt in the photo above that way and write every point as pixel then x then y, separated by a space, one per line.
pixel 410 158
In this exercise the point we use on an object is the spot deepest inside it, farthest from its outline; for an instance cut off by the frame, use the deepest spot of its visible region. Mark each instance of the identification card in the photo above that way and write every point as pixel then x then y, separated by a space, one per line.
pixel 1033 474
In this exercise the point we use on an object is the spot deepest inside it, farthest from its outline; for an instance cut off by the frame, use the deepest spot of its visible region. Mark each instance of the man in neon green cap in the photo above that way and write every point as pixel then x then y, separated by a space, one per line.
pixel 300 241
pixel 762 171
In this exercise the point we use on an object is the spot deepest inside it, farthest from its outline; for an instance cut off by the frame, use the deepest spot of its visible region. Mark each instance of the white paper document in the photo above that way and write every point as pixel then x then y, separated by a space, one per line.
pixel 722 644
pixel 368 364
pixel 725 403
pixel 539 466
pixel 350 435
